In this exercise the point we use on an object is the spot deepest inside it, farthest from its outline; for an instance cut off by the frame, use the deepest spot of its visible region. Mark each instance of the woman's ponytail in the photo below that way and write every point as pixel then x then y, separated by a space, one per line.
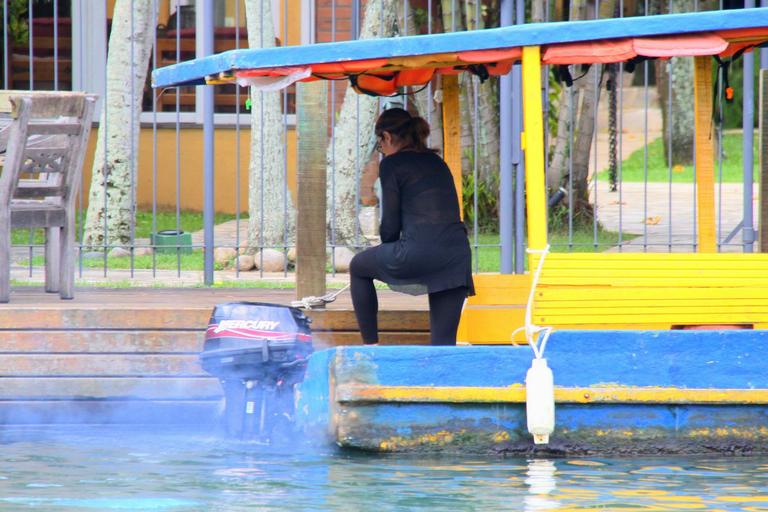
pixel 410 131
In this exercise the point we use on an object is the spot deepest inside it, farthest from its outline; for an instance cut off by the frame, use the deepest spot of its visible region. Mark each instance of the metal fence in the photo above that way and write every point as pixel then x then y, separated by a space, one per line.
pixel 61 45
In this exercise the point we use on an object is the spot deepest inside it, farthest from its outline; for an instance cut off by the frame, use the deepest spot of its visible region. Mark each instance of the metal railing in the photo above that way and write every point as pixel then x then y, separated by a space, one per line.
pixel 651 209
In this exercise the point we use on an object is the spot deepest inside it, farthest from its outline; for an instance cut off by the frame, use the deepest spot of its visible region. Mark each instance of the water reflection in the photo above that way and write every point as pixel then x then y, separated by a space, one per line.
pixel 541 484
pixel 108 469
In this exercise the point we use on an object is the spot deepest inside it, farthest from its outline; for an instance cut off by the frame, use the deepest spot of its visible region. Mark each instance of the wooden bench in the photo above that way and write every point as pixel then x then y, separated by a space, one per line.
pixel 652 291
pixel 45 147
pixel 497 309
pixel 623 291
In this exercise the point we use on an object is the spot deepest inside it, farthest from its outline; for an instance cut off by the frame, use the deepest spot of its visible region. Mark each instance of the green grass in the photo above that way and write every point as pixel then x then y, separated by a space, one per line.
pixel 488 258
pixel 632 169
pixel 192 261
pixel 127 283
pixel 188 221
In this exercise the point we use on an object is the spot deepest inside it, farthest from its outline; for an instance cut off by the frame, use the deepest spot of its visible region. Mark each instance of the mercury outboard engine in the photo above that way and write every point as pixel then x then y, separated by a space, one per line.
pixel 259 352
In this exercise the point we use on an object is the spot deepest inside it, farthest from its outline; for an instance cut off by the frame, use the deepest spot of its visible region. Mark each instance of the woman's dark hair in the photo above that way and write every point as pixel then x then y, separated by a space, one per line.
pixel 409 131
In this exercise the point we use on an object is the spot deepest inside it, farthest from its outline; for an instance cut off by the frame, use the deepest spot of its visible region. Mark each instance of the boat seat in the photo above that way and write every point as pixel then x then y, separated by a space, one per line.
pixel 622 291
pixel 652 290
pixel 496 309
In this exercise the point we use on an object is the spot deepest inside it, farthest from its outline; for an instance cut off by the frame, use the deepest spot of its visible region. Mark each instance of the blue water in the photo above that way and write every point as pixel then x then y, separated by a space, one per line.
pixel 108 468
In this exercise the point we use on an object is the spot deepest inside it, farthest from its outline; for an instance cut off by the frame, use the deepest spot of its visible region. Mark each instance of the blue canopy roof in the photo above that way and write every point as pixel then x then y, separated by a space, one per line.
pixel 193 72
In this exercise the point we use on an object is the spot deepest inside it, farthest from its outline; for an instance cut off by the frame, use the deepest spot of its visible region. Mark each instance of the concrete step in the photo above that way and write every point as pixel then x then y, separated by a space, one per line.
pixel 132 356
pixel 135 318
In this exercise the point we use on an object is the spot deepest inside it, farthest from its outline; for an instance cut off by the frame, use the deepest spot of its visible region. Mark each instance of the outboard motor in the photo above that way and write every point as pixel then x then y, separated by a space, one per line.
pixel 259 352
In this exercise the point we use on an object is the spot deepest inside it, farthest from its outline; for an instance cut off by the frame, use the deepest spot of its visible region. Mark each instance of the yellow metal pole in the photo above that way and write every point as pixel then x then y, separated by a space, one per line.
pixel 705 169
pixel 763 159
pixel 533 145
pixel 452 132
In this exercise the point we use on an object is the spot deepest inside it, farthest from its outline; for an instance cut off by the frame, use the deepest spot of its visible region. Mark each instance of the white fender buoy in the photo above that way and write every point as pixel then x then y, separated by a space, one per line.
pixel 540 401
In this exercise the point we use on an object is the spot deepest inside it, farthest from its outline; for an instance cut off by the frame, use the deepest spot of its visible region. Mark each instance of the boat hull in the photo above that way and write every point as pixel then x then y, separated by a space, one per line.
pixel 616 392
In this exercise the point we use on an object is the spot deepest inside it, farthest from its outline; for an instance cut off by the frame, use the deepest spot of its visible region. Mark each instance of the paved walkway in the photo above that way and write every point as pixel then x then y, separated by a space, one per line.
pixel 663 215
pixel 660 216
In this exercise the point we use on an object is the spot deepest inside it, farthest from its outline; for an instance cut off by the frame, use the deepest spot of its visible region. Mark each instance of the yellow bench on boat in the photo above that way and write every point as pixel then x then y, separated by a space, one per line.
pixel 652 291
pixel 623 291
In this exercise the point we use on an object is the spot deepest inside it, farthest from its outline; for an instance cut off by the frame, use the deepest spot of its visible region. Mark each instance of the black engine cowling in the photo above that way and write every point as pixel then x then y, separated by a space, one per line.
pixel 259 352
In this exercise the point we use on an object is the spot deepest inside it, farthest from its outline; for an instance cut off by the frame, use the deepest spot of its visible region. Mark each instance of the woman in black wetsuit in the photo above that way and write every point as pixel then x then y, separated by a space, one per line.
pixel 424 242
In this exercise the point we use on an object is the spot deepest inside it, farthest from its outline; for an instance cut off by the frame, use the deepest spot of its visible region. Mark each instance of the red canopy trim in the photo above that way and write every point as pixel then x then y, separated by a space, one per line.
pixel 733 48
pixel 744 34
pixel 420 61
pixel 450 71
pixel 384 76
pixel 621 50
pixel 602 52
pixel 490 56
pixel 247 73
pixel 354 66
pixel 680 46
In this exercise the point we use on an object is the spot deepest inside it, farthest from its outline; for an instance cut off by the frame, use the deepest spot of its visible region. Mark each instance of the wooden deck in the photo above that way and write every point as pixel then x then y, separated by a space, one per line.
pixel 131 355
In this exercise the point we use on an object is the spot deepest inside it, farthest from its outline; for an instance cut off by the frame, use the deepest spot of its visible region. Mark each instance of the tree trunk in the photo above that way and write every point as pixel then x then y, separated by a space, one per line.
pixel 582 146
pixel 111 202
pixel 579 109
pixel 268 225
pixel 557 172
pixel 677 120
pixel 354 136
pixel 568 102
pixel 589 89
pixel 486 127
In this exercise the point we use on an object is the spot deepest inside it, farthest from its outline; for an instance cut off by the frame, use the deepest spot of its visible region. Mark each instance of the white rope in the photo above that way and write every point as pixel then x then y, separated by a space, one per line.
pixel 532 331
pixel 313 302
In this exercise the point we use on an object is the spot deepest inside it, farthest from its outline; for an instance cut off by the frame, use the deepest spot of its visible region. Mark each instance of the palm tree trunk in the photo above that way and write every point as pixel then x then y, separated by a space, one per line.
pixel 582 146
pixel 268 225
pixel 675 86
pixel 354 137
pixel 111 203
pixel 557 171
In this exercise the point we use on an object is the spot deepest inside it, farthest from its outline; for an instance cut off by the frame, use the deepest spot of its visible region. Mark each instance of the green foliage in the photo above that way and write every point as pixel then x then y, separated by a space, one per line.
pixel 192 261
pixel 555 88
pixel 632 169
pixel 487 202
pixel 487 254
pixel 188 221
pixel 559 220
pixel 733 111
pixel 420 18
pixel 18 27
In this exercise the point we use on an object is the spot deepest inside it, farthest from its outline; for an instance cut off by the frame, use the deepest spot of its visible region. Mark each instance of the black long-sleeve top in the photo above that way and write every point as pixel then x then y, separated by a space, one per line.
pixel 417 188
pixel 424 242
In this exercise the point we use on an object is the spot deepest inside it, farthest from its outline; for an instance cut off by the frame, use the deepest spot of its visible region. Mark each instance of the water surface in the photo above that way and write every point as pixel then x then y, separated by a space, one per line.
pixel 110 468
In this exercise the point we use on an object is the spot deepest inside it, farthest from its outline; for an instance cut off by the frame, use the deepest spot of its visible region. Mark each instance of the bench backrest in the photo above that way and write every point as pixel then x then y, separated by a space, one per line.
pixel 664 291
pixel 622 291
pixel 45 147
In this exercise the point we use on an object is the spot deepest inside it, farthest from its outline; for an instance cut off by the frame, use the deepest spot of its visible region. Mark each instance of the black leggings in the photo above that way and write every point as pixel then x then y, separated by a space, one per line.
pixel 444 307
